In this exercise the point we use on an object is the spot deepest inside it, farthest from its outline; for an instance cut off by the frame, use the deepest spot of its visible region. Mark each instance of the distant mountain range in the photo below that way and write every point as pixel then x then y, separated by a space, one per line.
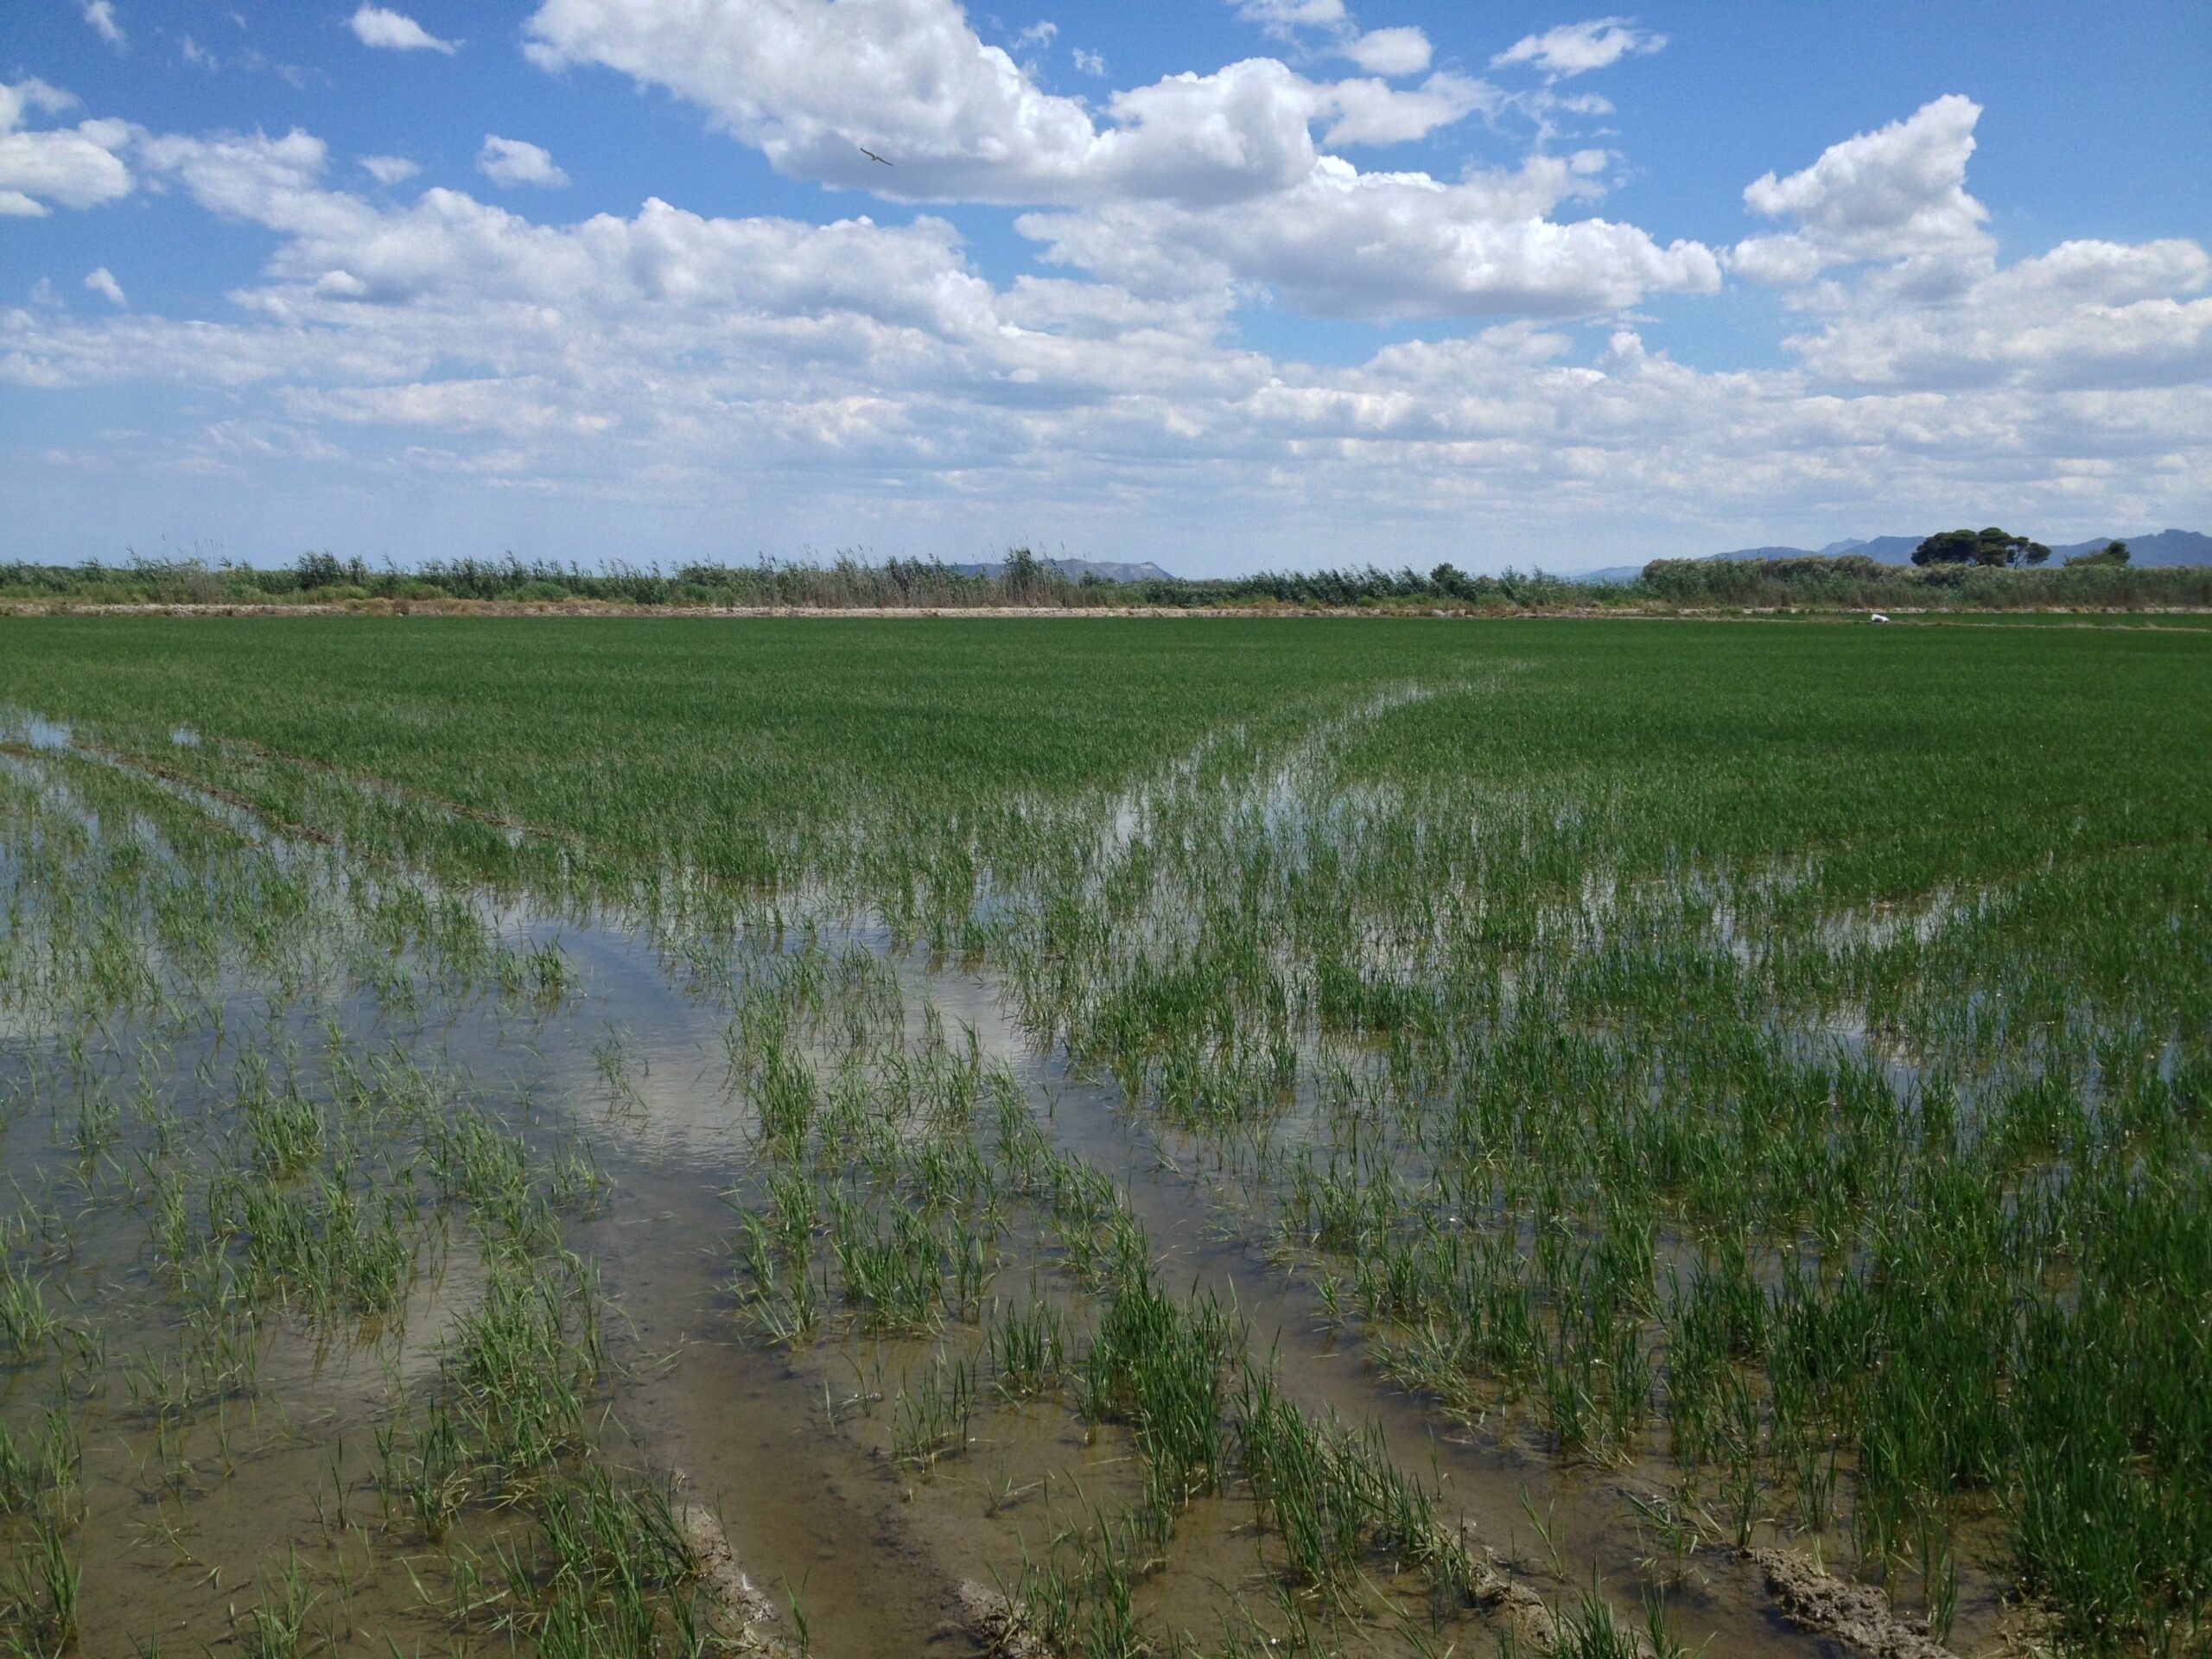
pixel 1077 570
pixel 2166 547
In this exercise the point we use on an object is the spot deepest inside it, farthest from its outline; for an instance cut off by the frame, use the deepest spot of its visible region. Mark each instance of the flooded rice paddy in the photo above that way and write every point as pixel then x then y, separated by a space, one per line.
pixel 1300 1194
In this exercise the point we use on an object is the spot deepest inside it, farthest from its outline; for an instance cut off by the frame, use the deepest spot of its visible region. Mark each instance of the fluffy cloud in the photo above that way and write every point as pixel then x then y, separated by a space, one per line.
pixel 1387 51
pixel 1369 112
pixel 394 31
pixel 1194 180
pixel 447 250
pixel 100 14
pixel 809 82
pixel 1898 193
pixel 785 381
pixel 78 166
pixel 814 83
pixel 1282 18
pixel 1381 244
pixel 1391 52
pixel 1926 306
pixel 2086 315
pixel 512 162
pixel 253 177
pixel 388 169
pixel 1577 48
pixel 102 282
pixel 668 358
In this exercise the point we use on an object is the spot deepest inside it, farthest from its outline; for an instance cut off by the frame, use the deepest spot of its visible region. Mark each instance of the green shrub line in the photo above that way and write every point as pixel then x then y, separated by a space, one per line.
pixel 1850 582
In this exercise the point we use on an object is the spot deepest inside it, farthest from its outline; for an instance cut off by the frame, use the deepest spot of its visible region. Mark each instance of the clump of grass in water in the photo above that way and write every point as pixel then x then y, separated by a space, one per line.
pixel 1161 1366
pixel 1572 929
pixel 1335 1498
pixel 26 1323
pixel 39 1591
pixel 930 1418
pixel 1028 1349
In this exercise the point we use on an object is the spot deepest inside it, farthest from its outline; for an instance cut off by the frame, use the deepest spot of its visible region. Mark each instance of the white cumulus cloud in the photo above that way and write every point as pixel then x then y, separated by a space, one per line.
pixel 388 169
pixel 1282 17
pixel 812 84
pixel 1899 192
pixel 253 178
pixel 77 167
pixel 100 14
pixel 1389 52
pixel 1400 50
pixel 784 381
pixel 395 31
pixel 1373 112
pixel 2089 314
pixel 1577 48
pixel 102 282
pixel 1380 244
pixel 514 161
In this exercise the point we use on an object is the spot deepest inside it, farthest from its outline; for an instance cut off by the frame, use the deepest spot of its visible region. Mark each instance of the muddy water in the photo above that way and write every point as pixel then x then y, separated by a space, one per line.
pixel 813 1505
pixel 790 1448
pixel 807 1516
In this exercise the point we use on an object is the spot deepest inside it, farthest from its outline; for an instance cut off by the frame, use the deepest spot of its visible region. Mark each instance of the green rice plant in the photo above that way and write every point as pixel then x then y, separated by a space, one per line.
pixel 575 1185
pixel 286 1130
pixel 276 1625
pixel 892 1277
pixel 930 1419
pixel 19 1478
pixel 320 1243
pixel 615 1056
pixel 1712 1033
pixel 1334 1498
pixel 610 1564
pixel 1162 1367
pixel 1085 1606
pixel 787 1097
pixel 1590 1629
pixel 520 1367
pixel 474 1160
pixel 1028 1349
pixel 40 1595
pixel 1659 1640
pixel 96 1124
pixel 26 1324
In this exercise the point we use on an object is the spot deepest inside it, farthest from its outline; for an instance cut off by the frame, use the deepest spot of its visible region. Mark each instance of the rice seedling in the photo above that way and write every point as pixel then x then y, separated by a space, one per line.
pixel 26 1324
pixel 273 1628
pixel 930 1415
pixel 1701 1055
pixel 1028 1349
pixel 39 1595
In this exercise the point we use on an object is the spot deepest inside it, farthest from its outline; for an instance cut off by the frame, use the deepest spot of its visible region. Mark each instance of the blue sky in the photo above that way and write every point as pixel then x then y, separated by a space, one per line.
pixel 1220 284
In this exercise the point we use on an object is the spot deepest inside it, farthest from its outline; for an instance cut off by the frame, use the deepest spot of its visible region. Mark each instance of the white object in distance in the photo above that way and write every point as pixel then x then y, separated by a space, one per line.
pixel 1879 617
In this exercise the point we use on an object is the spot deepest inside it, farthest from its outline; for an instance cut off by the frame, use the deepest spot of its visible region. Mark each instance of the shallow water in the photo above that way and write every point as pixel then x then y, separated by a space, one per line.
pixel 1560 1525
pixel 791 1447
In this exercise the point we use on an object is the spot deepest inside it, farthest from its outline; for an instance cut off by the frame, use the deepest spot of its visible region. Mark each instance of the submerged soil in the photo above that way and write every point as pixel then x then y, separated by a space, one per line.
pixel 811 1528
